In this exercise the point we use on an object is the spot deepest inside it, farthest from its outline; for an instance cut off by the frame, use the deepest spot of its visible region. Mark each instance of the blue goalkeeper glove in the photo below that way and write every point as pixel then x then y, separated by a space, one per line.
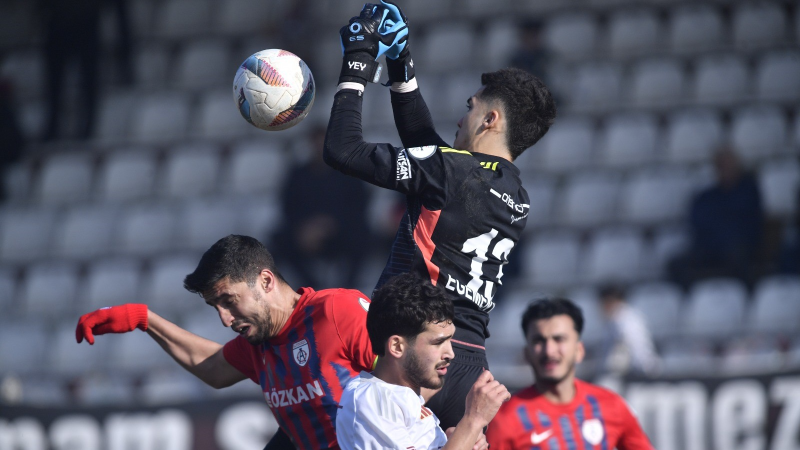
pixel 364 39
pixel 399 64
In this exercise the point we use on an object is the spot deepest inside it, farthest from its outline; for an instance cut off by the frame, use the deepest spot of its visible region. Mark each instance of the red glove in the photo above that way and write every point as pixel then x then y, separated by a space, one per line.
pixel 114 319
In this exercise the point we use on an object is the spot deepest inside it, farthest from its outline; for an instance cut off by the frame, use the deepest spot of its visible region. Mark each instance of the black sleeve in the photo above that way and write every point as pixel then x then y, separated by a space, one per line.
pixel 280 441
pixel 418 171
pixel 413 120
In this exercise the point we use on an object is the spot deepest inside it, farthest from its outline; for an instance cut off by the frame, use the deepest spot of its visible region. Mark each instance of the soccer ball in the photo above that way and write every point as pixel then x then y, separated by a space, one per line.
pixel 273 89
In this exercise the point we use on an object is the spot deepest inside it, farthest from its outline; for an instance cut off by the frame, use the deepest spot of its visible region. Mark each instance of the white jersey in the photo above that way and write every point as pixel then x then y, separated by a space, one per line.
pixel 375 415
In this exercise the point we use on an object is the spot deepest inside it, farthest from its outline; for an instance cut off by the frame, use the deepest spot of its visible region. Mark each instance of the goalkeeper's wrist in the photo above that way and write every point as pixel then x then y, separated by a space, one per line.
pixel 137 316
pixel 400 70
pixel 359 67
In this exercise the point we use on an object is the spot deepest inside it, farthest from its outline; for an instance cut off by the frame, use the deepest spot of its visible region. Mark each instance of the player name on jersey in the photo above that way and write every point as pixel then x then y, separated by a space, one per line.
pixel 279 398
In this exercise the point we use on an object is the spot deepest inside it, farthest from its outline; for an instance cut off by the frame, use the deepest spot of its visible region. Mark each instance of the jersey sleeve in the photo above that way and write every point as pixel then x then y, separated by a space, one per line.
pixel 239 353
pixel 632 436
pixel 412 171
pixel 376 421
pixel 413 120
pixel 349 312
pixel 498 432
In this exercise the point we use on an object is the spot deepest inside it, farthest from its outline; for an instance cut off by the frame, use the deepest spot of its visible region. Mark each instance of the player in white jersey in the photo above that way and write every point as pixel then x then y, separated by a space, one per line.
pixel 410 325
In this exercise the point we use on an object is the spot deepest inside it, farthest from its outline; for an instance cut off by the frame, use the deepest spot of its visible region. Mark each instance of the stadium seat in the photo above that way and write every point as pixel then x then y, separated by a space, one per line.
pixel 45 392
pixel 633 32
pixel 657 82
pixel 102 389
pixel 571 34
pixel 693 357
pixel 256 167
pixel 758 132
pixel 204 222
pixel 153 64
pixel 696 28
pixel 203 64
pixel 246 17
pixel 163 284
pixel 67 358
pixel 111 282
pixel 85 232
pixel 651 196
pixel 667 243
pixel 505 348
pixel 613 254
pixel 692 136
pixel 65 178
pixel 22 344
pixel 589 198
pixel 541 191
pixel 779 181
pixel 137 353
pixel 776 305
pixel 114 114
pixel 26 233
pixel 147 230
pixel 597 86
pixel 778 76
pixel 660 302
pixel 219 119
pixel 457 89
pixel 758 25
pixel 551 259
pixel 170 387
pixel 424 9
pixel 26 70
pixel 716 308
pixel 176 19
pixel 49 289
pixel 720 79
pixel 793 354
pixel 500 40
pixel 17 181
pixel 160 117
pixel 191 170
pixel 8 291
pixel 32 116
pixel 629 140
pixel 205 322
pixel 567 146
pixel 446 46
pixel 127 174
pixel 751 355
pixel 586 299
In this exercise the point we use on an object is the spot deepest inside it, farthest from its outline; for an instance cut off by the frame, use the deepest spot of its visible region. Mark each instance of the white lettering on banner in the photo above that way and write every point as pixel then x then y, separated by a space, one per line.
pixel 403 167
pixel 24 433
pixel 739 410
pixel 786 391
pixel 169 429
pixel 245 426
pixel 76 431
pixel 294 395
pixel 660 407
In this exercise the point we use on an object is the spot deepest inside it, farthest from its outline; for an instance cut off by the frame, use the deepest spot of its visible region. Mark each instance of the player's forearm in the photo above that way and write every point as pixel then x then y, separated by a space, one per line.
pixel 413 119
pixel 466 434
pixel 191 351
pixel 344 139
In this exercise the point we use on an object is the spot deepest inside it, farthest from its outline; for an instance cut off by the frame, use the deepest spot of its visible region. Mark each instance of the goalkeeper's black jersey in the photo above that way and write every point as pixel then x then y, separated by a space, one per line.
pixel 465 212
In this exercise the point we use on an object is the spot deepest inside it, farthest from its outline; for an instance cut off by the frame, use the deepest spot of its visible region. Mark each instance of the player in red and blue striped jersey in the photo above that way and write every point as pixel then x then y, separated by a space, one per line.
pixel 301 347
pixel 560 412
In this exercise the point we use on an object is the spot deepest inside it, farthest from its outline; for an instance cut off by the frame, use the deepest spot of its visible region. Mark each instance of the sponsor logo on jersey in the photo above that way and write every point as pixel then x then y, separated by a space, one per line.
pixel 364 304
pixel 509 201
pixel 484 303
pixel 489 165
pixel 280 398
pixel 592 431
pixel 300 352
pixel 538 438
pixel 422 152
pixel 425 412
pixel 516 219
pixel 403 167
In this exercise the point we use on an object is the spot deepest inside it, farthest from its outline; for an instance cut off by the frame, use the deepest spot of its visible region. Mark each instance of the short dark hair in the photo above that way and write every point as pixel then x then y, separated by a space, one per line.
pixel 403 306
pixel 238 258
pixel 529 108
pixel 611 291
pixel 548 307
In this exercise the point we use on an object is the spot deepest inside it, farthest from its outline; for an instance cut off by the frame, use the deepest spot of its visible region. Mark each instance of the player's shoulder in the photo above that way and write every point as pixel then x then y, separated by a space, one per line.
pixel 339 298
pixel 526 396
pixel 602 394
pixel 371 395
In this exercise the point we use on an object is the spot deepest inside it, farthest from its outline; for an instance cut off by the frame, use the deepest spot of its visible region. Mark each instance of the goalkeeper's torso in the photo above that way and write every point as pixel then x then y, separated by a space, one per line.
pixel 459 228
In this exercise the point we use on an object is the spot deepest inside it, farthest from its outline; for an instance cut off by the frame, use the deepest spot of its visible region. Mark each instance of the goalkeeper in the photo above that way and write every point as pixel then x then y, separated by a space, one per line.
pixel 466 207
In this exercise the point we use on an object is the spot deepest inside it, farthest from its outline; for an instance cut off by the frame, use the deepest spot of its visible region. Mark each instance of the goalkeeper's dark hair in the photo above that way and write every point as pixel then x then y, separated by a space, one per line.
pixel 238 258
pixel 403 306
pixel 546 308
pixel 527 104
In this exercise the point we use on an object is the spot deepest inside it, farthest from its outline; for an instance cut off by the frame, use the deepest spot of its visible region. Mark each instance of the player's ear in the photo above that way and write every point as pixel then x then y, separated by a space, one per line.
pixel 580 352
pixel 395 346
pixel 267 280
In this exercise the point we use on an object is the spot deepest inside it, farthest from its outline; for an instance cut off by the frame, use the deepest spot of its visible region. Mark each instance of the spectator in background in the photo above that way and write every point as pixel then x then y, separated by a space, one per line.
pixel 12 141
pixel 325 221
pixel 627 344
pixel 789 257
pixel 531 54
pixel 726 222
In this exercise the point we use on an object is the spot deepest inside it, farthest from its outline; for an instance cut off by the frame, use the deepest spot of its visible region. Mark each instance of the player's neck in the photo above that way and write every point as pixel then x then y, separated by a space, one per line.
pixel 289 299
pixel 559 393
pixel 492 144
pixel 388 371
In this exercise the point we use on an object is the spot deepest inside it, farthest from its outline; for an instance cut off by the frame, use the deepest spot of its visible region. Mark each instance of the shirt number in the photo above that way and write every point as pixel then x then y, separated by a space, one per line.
pixel 479 246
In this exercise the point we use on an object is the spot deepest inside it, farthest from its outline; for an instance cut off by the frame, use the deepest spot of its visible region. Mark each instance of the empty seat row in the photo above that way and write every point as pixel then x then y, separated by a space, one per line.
pixel 689 28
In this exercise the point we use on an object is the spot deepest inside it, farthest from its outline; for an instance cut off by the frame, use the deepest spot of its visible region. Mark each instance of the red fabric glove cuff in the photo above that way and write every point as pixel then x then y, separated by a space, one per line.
pixel 137 315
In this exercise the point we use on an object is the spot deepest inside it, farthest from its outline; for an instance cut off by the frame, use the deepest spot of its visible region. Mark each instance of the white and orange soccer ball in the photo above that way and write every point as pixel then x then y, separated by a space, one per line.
pixel 273 89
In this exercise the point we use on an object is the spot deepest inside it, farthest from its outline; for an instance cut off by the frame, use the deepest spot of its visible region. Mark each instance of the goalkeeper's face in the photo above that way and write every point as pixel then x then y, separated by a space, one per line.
pixel 244 309
pixel 472 123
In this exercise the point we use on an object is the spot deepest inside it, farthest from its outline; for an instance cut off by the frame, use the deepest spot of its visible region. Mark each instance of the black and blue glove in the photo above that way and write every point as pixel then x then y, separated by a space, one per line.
pixel 364 39
pixel 399 64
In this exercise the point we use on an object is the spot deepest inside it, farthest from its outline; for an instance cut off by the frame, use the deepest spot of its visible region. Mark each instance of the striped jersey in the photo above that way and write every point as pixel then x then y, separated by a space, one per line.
pixel 596 419
pixel 304 369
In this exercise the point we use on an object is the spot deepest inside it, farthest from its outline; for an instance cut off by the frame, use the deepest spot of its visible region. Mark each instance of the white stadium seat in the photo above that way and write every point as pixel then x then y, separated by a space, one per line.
pixel 26 234
pixel 551 259
pixel 191 170
pixel 758 25
pixel 114 114
pixel 203 222
pixel 589 198
pixel 716 308
pixel 500 40
pixel 49 289
pixel 256 166
pixel 86 232
pixel 633 32
pixel 171 386
pixel 776 305
pixel 100 389
pixel 541 192
pixel 778 76
pixel 597 85
pixel 657 82
pixel 779 181
pixel 203 64
pixel 758 132
pixel 692 136
pixel 660 302
pixel 572 34
pixel 147 230
pixel 161 117
pixel 567 145
pixel 246 17
pixel 613 254
pixel 137 353
pixel 22 344
pixel 153 63
pixel 629 140
pixel 205 322
pixel 446 46
pixel 720 79
pixel 177 19
pixel 220 119
pixel 651 196
pixel 696 28
pixel 163 285
pixel 66 178
pixel 128 174
pixel 8 291
pixel 667 243
pixel 587 300
pixel 111 282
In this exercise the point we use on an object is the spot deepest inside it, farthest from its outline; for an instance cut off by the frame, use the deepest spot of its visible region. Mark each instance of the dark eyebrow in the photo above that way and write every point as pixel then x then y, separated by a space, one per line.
pixel 216 299
pixel 440 340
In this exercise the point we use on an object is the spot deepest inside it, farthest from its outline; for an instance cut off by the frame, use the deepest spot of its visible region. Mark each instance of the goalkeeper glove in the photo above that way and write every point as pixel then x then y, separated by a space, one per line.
pixel 399 64
pixel 366 38
pixel 115 319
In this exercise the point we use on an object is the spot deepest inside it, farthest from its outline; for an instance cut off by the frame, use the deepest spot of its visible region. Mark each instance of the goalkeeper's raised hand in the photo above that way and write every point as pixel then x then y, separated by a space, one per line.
pixel 374 32
pixel 399 64
pixel 116 319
